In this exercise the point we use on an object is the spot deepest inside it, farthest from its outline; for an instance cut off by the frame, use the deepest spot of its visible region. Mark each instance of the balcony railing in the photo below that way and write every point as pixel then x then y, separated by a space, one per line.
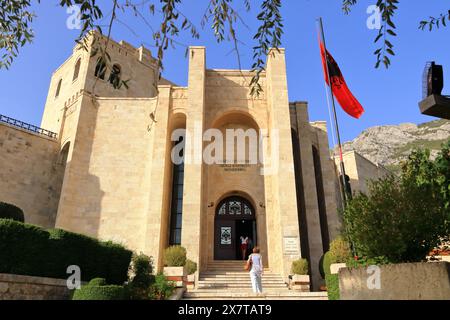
pixel 28 127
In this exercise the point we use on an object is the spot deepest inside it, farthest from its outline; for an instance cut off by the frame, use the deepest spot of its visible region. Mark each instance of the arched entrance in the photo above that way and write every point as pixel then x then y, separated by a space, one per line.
pixel 235 217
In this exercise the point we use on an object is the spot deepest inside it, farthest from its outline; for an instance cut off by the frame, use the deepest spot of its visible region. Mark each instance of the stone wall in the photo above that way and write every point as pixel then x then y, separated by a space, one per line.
pixel 18 287
pixel 408 281
pixel 30 174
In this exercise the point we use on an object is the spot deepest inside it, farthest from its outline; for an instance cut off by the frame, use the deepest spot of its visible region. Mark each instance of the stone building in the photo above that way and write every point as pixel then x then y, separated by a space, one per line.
pixel 104 168
pixel 361 171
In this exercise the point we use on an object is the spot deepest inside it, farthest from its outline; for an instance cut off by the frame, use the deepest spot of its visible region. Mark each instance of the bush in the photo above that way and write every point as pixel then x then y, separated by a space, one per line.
pixel 104 292
pixel 97 282
pixel 162 289
pixel 326 263
pixel 140 285
pixel 191 266
pixel 399 220
pixel 300 267
pixel 9 211
pixel 29 250
pixel 175 256
pixel 340 251
pixel 332 282
pixel 403 218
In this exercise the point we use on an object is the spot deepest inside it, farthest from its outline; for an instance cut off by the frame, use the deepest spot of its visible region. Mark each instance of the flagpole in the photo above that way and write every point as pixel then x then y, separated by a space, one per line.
pixel 336 124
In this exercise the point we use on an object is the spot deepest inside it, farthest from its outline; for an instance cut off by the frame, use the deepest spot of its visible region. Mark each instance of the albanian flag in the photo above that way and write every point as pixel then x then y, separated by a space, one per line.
pixel 339 87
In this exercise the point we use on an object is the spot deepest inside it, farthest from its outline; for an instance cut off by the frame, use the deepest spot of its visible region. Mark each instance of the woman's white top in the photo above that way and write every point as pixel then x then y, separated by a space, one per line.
pixel 256 263
pixel 244 241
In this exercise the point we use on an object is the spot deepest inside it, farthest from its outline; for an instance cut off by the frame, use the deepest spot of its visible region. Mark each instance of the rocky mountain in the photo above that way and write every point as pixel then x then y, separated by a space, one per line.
pixel 389 145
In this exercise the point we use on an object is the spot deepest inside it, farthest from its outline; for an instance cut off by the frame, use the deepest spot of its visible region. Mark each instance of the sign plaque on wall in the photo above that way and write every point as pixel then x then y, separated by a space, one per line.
pixel 225 235
pixel 291 246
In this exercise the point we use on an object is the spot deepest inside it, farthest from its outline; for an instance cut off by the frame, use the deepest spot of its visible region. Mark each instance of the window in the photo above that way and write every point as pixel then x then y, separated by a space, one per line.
pixel 100 69
pixel 58 88
pixel 114 78
pixel 76 72
pixel 176 210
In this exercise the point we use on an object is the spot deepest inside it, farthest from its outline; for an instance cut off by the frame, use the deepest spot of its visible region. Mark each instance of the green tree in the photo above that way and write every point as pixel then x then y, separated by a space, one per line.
pixel 403 218
pixel 16 17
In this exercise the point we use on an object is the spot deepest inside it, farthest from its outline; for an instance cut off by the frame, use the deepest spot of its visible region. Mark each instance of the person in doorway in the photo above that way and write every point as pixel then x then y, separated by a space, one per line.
pixel 256 270
pixel 244 245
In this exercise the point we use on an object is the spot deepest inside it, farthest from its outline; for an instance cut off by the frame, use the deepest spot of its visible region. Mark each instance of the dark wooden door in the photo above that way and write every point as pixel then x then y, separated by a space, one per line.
pixel 225 240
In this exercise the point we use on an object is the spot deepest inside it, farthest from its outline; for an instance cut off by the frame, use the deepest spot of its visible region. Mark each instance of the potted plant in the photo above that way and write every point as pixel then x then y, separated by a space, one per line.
pixel 300 278
pixel 175 265
pixel 191 267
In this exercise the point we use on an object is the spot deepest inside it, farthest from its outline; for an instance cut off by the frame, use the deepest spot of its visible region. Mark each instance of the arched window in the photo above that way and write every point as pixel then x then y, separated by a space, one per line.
pixel 100 69
pixel 76 72
pixel 114 78
pixel 58 88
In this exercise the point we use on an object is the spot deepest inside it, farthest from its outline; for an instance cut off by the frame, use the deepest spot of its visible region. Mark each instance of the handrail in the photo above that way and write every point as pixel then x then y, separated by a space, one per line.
pixel 28 127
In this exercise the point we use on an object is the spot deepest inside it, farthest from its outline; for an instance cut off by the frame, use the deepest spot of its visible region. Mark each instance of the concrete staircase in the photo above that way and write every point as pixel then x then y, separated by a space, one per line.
pixel 228 280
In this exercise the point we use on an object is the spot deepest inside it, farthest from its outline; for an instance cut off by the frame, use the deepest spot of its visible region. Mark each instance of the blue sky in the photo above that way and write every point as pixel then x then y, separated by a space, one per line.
pixel 389 96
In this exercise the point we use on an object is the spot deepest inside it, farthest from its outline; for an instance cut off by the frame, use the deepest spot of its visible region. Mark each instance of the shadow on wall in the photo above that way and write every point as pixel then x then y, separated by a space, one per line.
pixel 81 196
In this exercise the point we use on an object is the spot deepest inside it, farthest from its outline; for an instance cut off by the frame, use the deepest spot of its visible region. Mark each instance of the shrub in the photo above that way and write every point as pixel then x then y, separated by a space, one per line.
pixel 94 292
pixel 162 289
pixel 326 263
pixel 29 250
pixel 332 281
pixel 399 219
pixel 191 266
pixel 23 248
pixel 97 282
pixel 175 256
pixel 403 218
pixel 140 285
pixel 9 211
pixel 300 267
pixel 340 251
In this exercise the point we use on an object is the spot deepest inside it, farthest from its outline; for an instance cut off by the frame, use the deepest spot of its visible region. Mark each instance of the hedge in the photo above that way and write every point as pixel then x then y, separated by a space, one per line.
pixel 332 281
pixel 108 292
pixel 30 250
pixel 9 211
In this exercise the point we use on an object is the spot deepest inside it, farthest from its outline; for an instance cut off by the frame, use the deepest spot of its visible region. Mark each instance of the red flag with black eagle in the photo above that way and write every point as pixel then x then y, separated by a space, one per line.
pixel 339 87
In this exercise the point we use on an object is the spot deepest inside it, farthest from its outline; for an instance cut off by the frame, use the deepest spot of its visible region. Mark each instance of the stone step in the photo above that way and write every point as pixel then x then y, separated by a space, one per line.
pixel 234 272
pixel 237 288
pixel 226 280
pixel 248 295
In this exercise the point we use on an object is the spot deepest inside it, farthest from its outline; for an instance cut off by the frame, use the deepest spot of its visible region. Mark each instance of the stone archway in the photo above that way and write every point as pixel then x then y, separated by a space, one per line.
pixel 235 217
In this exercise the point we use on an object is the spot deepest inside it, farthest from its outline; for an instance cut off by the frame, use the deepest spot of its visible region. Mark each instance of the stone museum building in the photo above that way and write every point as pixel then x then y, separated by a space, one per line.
pixel 102 163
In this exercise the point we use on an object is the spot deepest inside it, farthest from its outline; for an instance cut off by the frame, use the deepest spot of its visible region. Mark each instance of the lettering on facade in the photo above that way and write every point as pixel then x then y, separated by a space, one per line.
pixel 234 167
pixel 291 246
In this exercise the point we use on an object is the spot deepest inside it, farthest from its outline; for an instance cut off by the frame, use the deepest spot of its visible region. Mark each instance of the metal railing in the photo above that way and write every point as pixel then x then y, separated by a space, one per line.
pixel 27 126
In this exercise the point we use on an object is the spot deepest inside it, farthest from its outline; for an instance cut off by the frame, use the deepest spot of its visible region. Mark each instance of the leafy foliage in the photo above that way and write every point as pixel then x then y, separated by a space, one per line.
pixel 30 250
pixel 140 285
pixel 175 256
pixel 15 29
pixel 162 289
pixel 340 251
pixel 97 289
pixel 435 22
pixel 191 267
pixel 332 282
pixel 403 218
pixel 9 211
pixel 388 9
pixel 300 267
pixel 16 19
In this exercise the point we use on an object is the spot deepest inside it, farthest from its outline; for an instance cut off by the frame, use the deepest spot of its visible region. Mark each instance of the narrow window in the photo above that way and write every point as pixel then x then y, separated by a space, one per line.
pixel 58 88
pixel 77 70
pixel 176 210
pixel 114 78
pixel 321 200
pixel 100 69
